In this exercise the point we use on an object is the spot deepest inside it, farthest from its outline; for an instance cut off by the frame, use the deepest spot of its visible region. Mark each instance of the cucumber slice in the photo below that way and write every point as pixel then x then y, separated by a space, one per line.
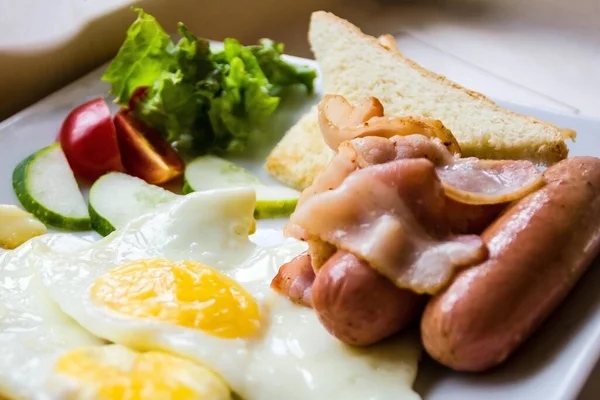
pixel 210 172
pixel 46 187
pixel 275 201
pixel 117 198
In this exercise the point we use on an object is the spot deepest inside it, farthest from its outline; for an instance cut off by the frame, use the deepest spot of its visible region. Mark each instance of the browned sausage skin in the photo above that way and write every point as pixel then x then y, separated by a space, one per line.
pixel 471 219
pixel 538 250
pixel 353 301
pixel 358 305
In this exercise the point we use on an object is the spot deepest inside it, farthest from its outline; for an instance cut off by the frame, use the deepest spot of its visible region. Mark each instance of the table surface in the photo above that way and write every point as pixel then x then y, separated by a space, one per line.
pixel 544 53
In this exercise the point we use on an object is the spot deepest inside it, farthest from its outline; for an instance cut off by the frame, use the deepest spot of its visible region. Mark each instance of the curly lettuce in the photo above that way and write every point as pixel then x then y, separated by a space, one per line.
pixel 197 98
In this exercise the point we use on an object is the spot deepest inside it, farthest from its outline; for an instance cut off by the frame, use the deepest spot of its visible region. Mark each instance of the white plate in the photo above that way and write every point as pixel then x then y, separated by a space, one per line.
pixel 551 366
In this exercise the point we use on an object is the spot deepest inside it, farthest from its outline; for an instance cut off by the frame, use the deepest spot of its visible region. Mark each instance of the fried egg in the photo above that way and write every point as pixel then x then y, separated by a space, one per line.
pixel 33 330
pixel 47 355
pixel 188 280
pixel 115 372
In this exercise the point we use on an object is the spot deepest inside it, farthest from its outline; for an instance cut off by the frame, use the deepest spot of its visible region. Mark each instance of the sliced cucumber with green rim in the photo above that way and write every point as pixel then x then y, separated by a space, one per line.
pixel 117 198
pixel 211 172
pixel 275 201
pixel 46 187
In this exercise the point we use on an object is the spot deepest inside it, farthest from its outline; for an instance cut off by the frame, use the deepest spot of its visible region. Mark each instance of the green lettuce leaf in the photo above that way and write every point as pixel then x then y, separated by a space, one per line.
pixel 280 73
pixel 192 55
pixel 170 107
pixel 244 102
pixel 141 60
pixel 198 99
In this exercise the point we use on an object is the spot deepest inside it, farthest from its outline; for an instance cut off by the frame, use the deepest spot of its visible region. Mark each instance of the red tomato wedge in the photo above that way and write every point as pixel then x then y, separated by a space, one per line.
pixel 145 153
pixel 89 140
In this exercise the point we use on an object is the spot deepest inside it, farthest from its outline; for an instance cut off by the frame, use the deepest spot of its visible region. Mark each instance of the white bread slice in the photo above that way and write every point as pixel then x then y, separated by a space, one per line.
pixel 301 154
pixel 356 65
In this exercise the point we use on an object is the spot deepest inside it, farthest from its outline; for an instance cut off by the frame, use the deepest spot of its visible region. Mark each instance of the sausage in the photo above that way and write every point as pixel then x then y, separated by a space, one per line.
pixel 469 218
pixel 538 250
pixel 358 305
pixel 295 280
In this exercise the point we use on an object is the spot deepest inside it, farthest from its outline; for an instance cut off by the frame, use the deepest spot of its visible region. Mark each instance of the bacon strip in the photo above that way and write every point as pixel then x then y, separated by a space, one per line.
pixel 474 181
pixel 340 121
pixel 376 215
pixel 398 203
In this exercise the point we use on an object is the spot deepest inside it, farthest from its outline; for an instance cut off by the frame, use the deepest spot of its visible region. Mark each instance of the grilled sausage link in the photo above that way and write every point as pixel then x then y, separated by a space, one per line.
pixel 358 305
pixel 539 248
pixel 471 219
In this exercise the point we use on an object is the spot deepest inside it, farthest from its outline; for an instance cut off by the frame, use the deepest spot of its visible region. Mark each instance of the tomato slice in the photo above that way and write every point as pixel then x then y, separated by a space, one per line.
pixel 89 140
pixel 145 153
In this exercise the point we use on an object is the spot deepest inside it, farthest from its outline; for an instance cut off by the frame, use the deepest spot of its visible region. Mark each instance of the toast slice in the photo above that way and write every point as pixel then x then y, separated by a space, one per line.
pixel 356 65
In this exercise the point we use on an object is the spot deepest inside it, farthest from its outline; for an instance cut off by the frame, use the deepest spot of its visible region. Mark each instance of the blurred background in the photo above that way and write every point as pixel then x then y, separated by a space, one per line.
pixel 544 53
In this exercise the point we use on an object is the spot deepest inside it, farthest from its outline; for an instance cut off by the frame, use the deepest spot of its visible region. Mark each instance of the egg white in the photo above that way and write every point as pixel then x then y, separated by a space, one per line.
pixel 34 332
pixel 291 355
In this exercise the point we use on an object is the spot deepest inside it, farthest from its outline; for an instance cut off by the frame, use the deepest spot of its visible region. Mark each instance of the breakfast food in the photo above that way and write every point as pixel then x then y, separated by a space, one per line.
pixel 187 295
pixel 211 172
pixel 17 226
pixel 223 98
pixel 538 250
pixel 45 354
pixel 340 121
pixel 381 228
pixel 376 215
pixel 144 152
pixel 347 295
pixel 382 204
pixel 187 280
pixel 117 372
pixel 89 140
pixel 385 195
pixel 117 198
pixel 46 187
pixel 198 97
pixel 357 66
pixel 34 332
pixel 95 143
pixel 176 100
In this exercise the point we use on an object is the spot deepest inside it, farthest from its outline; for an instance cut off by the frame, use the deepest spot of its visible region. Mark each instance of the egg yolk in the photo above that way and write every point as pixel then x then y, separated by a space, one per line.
pixel 187 294
pixel 115 372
